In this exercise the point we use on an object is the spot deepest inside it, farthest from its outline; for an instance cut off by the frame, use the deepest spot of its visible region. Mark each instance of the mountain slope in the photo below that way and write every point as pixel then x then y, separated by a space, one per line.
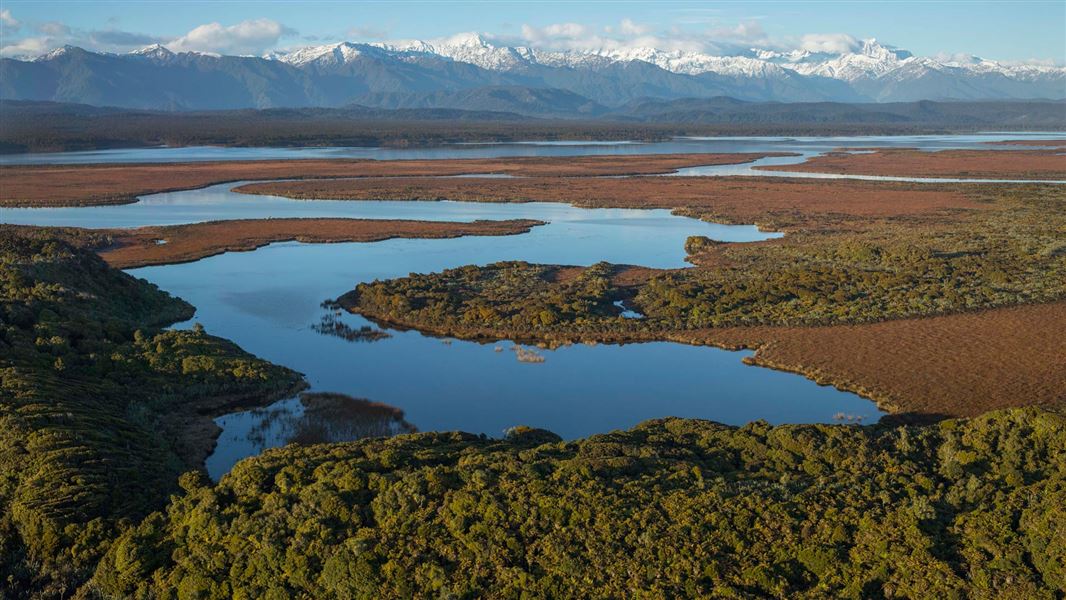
pixel 469 71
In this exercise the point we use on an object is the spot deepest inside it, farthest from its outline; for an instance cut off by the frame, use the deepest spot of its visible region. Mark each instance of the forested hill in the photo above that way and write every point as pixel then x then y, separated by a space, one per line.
pixel 100 411
pixel 673 508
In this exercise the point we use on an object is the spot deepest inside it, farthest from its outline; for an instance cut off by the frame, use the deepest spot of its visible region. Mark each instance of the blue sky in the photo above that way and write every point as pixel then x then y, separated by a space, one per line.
pixel 1010 31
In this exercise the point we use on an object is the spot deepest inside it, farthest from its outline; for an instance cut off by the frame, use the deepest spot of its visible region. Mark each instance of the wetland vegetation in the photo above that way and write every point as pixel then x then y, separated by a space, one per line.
pixel 1008 251
pixel 105 419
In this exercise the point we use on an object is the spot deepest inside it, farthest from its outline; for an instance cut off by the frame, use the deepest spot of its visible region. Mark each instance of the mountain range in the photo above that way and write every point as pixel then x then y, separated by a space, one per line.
pixel 469 72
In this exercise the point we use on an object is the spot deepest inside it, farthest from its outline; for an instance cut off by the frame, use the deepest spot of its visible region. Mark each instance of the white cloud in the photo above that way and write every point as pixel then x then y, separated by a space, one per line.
pixel 31 46
pixel 255 36
pixel 53 35
pixel 574 36
pixel 8 23
pixel 54 29
pixel 720 40
pixel 565 33
pixel 628 27
pixel 829 42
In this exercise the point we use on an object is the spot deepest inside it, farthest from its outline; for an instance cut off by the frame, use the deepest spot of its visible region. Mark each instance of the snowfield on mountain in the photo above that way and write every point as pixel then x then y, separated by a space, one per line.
pixel 416 73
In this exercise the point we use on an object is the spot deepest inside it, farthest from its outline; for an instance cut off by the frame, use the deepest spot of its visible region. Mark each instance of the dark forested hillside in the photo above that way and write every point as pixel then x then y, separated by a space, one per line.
pixel 497 114
pixel 98 406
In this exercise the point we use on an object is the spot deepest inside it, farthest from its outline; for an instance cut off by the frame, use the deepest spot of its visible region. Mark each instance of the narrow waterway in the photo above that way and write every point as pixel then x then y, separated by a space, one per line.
pixel 269 302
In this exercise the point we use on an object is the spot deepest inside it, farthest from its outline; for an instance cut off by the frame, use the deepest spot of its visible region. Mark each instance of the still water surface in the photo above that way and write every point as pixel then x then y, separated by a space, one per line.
pixel 678 145
pixel 268 301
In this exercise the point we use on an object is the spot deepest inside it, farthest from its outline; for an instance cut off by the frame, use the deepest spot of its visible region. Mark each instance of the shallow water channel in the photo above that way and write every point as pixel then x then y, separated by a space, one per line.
pixel 269 302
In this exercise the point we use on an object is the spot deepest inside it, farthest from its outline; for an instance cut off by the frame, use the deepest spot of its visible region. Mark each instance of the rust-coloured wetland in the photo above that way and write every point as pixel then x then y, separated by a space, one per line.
pixel 974 164
pixel 144 246
pixel 953 359
pixel 95 184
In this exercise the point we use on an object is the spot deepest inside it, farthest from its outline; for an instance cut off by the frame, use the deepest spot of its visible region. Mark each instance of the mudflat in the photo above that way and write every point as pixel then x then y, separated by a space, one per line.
pixel 86 185
pixel 770 202
pixel 953 361
pixel 185 243
pixel 909 162
pixel 1056 143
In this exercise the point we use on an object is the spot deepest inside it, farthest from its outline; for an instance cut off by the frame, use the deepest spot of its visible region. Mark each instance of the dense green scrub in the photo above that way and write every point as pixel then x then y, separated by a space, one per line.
pixel 672 508
pixel 94 402
pixel 855 271
pixel 97 401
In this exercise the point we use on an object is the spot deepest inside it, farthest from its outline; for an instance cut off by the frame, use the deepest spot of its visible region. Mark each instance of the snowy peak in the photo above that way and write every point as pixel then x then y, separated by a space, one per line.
pixel 870 59
pixel 470 39
pixel 157 52
pixel 695 63
pixel 329 54
pixel 411 72
pixel 880 52
pixel 471 48
pixel 59 53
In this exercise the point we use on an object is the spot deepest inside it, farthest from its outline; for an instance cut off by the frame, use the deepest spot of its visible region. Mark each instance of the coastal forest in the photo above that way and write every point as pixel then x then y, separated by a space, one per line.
pixel 342 300
pixel 105 416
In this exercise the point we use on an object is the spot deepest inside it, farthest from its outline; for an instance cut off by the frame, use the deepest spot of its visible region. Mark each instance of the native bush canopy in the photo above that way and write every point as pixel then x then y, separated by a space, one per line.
pixel 94 403
pixel 850 273
pixel 672 508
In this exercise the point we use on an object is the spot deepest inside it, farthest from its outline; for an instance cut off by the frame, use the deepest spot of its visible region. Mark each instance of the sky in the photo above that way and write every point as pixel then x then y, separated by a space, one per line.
pixel 1018 31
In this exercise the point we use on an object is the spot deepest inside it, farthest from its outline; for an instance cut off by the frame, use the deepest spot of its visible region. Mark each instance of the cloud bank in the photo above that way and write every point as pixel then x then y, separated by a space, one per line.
pixel 254 36
pixel 247 37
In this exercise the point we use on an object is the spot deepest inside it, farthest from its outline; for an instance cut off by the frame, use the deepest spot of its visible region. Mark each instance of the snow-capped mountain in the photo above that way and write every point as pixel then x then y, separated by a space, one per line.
pixel 870 61
pixel 328 54
pixel 427 73
pixel 863 68
pixel 470 48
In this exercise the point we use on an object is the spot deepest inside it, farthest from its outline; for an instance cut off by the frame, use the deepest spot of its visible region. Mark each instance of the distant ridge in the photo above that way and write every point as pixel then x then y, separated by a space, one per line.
pixel 470 72
pixel 31 126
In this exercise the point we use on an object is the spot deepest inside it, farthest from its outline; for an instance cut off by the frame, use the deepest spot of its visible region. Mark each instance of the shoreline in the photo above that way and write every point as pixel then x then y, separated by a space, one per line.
pixel 40 186
pixel 794 349
pixel 1048 164
pixel 175 244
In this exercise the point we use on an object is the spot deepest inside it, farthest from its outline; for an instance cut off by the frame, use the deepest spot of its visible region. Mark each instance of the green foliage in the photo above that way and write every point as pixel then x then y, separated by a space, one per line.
pixel 1009 254
pixel 96 402
pixel 515 296
pixel 672 508
pixel 93 401
pixel 695 244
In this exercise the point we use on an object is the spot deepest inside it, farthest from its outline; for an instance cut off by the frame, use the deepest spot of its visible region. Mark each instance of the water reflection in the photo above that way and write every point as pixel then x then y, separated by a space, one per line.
pixel 331 323
pixel 310 418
